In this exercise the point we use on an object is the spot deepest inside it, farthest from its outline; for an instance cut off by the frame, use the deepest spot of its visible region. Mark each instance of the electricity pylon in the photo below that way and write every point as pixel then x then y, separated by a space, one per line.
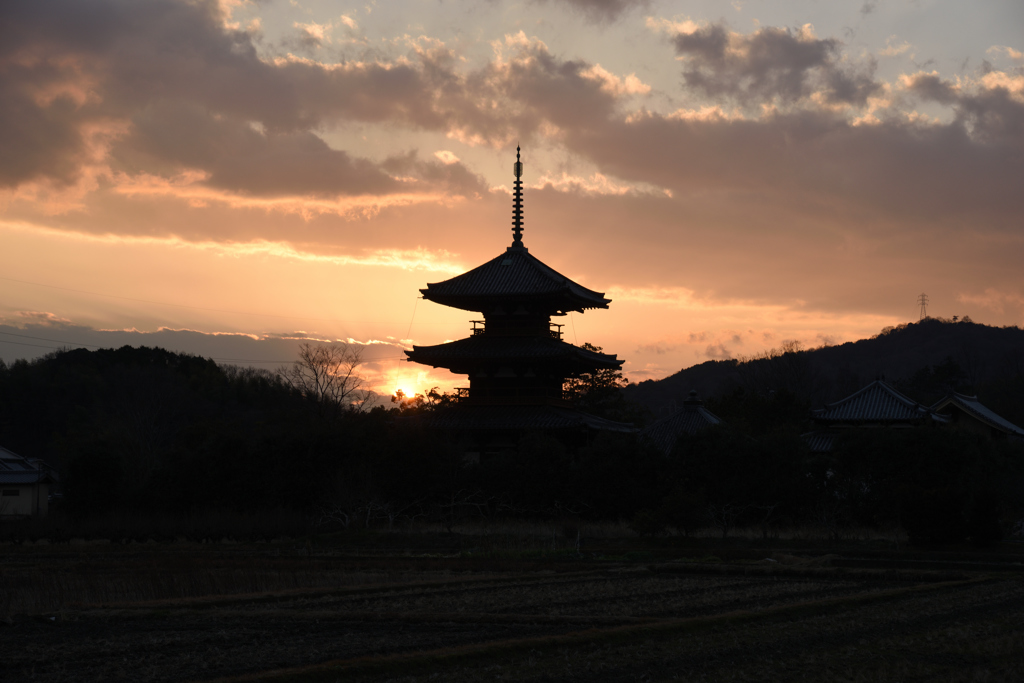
pixel 922 300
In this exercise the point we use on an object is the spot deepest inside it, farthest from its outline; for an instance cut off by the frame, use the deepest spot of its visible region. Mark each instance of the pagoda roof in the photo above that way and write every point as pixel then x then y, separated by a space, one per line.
pixel 512 276
pixel 877 402
pixel 973 407
pixel 692 418
pixel 483 348
pixel 518 418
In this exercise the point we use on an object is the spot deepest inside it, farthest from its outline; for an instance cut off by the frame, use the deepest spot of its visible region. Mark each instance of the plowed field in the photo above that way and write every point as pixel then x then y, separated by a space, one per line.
pixel 409 619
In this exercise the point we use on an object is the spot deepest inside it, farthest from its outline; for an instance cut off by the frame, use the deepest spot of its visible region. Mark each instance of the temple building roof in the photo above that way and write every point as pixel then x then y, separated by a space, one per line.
pixel 878 402
pixel 973 407
pixel 692 418
pixel 513 276
pixel 485 348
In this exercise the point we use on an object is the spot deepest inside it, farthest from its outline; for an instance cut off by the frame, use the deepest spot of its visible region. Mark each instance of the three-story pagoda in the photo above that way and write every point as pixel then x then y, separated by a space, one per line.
pixel 516 359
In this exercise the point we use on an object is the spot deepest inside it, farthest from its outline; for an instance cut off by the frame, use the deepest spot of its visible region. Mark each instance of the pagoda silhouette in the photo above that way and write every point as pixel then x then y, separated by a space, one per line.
pixel 516 359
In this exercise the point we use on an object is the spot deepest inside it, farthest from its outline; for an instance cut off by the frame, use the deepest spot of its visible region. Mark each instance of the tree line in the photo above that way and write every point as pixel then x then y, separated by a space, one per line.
pixel 148 431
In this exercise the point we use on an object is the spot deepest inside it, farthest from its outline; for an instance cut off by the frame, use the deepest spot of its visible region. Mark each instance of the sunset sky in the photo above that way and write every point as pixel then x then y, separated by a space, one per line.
pixel 232 178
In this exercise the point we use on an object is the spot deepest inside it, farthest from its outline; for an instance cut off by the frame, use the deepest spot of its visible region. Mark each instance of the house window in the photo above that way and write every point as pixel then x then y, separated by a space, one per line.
pixel 11 492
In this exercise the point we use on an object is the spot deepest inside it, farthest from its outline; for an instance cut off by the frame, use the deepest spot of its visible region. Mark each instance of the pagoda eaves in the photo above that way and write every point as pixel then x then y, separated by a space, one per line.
pixel 514 276
pixel 465 355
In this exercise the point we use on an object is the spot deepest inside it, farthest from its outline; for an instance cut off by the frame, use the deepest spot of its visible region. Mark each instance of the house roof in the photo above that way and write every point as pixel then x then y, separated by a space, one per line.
pixel 30 477
pixel 15 469
pixel 972 406
pixel 693 418
pixel 514 275
pixel 877 402
pixel 518 418
pixel 483 348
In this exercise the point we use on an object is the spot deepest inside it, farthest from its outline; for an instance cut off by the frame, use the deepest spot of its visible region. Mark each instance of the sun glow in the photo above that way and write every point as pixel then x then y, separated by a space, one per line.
pixel 407 390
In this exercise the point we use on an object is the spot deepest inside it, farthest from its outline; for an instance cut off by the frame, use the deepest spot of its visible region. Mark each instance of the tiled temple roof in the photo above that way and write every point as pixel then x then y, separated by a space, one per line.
pixel 484 348
pixel 972 406
pixel 692 418
pixel 511 276
pixel 877 402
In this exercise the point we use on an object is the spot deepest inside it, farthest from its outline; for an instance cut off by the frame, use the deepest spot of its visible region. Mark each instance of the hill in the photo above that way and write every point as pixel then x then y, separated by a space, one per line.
pixel 925 359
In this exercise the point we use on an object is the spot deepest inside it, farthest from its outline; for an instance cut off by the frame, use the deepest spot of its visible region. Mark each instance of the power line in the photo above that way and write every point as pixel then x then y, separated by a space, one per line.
pixel 922 301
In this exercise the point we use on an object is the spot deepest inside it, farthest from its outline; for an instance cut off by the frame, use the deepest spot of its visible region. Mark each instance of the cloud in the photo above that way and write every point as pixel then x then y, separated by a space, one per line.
pixel 898 169
pixel 250 125
pixel 770 64
pixel 991 107
pixel 602 10
pixel 312 35
pixel 786 147
pixel 446 156
pixel 718 352
pixel 891 49
pixel 41 318
pixel 994 300
pixel 237 157
pixel 33 335
pixel 1015 55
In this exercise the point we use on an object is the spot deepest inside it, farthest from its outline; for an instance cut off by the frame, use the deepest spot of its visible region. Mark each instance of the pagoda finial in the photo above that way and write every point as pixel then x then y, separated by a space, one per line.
pixel 517 203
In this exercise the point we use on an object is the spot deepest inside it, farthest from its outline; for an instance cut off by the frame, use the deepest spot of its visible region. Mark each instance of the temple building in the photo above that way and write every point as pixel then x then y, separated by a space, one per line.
pixel 967 412
pixel 689 420
pixel 879 404
pixel 515 357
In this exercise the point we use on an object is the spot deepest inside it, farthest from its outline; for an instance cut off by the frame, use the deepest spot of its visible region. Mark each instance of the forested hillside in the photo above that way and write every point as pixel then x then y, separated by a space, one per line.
pixel 923 359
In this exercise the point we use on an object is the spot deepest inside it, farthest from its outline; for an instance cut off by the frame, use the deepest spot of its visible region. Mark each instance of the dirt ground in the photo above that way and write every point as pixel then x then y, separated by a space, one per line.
pixel 401 616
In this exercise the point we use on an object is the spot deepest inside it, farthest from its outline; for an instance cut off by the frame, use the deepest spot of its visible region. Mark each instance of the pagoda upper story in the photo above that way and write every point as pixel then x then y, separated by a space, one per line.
pixel 515 356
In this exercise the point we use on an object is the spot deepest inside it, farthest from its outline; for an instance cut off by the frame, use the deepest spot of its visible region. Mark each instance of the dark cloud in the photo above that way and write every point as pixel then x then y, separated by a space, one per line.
pixel 821 164
pixel 718 352
pixel 602 10
pixel 176 89
pixel 191 92
pixel 770 63
pixel 454 176
pixel 242 159
pixel 992 114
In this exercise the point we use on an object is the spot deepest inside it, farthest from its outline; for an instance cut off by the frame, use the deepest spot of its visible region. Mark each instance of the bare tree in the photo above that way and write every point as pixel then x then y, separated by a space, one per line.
pixel 326 375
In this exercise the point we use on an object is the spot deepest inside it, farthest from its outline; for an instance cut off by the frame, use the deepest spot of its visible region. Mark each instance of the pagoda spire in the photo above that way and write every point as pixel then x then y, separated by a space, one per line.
pixel 517 203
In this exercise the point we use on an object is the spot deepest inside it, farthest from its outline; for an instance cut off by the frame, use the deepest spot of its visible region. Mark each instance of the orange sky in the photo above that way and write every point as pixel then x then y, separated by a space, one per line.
pixel 232 178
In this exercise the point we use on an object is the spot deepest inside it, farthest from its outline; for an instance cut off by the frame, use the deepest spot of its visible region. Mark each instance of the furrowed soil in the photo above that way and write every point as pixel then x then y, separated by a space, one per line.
pixel 391 610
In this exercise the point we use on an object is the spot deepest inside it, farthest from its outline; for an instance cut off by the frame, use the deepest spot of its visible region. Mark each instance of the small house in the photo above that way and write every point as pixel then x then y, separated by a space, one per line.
pixel 24 486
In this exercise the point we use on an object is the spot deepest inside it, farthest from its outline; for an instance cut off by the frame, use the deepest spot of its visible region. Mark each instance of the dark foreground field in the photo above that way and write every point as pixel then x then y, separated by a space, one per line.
pixel 420 609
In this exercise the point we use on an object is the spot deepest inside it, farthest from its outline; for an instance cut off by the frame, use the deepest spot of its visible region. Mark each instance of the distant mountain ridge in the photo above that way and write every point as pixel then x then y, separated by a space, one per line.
pixel 924 359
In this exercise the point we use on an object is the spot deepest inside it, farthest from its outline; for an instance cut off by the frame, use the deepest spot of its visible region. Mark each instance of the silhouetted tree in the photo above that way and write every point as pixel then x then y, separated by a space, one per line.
pixel 600 393
pixel 325 374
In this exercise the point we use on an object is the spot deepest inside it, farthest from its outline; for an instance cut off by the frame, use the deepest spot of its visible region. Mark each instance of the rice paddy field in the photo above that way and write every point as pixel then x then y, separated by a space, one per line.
pixel 450 607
